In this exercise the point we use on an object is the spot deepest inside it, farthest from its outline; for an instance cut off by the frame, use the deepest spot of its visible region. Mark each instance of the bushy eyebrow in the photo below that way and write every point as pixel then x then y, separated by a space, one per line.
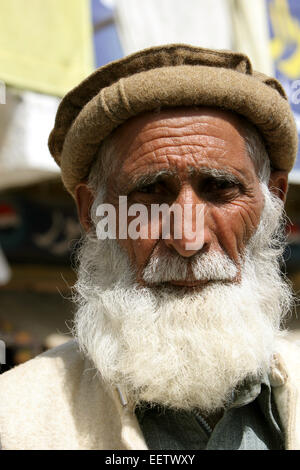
pixel 135 182
pixel 217 174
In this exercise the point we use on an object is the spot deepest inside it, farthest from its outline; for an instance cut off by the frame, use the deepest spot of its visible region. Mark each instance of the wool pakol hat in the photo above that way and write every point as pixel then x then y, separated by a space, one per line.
pixel 168 76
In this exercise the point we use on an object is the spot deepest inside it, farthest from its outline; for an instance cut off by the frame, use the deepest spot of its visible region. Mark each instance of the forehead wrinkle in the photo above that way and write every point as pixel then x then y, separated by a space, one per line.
pixel 194 128
pixel 187 122
pixel 191 139
pixel 142 171
pixel 192 151
pixel 189 146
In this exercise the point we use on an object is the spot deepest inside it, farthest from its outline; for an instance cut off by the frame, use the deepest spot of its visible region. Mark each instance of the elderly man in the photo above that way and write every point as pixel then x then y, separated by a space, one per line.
pixel 178 342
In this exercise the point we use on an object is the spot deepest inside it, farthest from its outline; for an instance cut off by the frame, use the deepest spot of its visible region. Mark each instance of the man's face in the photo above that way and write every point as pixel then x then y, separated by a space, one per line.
pixel 183 347
pixel 169 158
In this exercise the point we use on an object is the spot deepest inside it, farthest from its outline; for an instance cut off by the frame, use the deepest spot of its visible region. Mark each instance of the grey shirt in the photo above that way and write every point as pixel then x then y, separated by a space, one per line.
pixel 250 422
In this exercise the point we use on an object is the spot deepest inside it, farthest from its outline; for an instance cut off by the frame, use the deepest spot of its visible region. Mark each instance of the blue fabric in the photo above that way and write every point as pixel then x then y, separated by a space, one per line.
pixel 250 422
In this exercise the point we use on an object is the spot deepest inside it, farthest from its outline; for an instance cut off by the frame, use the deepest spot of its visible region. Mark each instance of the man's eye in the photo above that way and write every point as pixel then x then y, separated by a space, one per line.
pixel 148 189
pixel 223 185
pixel 218 188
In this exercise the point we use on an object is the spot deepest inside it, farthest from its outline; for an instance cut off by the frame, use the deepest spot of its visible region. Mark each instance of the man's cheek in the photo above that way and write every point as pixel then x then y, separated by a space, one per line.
pixel 228 227
pixel 240 225
pixel 249 220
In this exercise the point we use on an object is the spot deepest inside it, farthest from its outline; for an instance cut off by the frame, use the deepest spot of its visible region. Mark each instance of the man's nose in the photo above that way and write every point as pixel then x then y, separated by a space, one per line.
pixel 189 233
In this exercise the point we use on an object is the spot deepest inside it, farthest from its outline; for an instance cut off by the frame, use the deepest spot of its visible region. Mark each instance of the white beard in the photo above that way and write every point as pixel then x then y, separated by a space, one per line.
pixel 177 348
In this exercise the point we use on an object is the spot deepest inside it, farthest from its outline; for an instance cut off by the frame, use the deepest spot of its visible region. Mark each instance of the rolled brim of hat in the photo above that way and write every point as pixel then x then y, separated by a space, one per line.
pixel 166 77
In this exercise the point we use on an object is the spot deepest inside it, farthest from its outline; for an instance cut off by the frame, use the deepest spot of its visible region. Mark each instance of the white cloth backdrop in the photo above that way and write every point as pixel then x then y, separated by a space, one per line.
pixel 26 119
pixel 240 25
pixel 146 23
pixel 251 33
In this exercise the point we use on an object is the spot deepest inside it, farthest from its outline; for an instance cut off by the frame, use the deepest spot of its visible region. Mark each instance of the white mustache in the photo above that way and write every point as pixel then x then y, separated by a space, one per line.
pixel 204 267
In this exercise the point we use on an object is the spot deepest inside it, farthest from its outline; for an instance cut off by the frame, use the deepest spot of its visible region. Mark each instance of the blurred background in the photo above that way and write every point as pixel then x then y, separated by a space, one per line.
pixel 46 48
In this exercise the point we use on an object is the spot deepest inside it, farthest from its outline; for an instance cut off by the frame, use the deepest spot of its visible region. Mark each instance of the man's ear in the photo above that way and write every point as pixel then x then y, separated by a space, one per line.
pixel 84 199
pixel 278 183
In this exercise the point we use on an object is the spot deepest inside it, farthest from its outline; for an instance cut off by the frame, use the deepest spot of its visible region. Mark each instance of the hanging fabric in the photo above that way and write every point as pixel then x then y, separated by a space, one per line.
pixel 45 45
pixel 144 24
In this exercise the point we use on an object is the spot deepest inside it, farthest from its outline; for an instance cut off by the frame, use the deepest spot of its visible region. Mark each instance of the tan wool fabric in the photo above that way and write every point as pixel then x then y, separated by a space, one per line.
pixel 57 401
pixel 168 76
